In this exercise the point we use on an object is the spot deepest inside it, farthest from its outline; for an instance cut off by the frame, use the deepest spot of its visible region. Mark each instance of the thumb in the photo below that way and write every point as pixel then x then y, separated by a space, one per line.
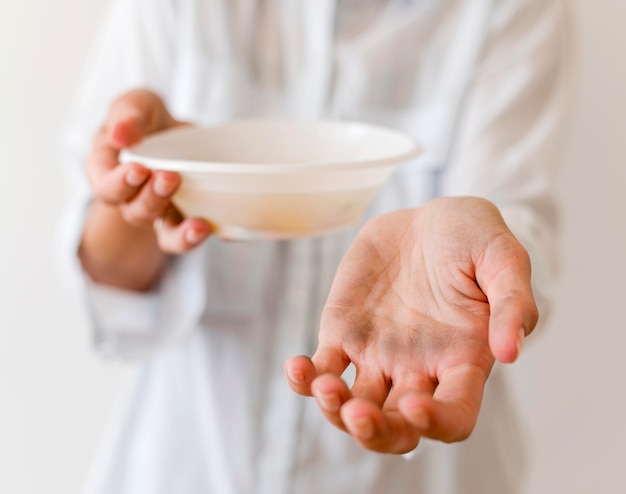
pixel 506 281
pixel 134 115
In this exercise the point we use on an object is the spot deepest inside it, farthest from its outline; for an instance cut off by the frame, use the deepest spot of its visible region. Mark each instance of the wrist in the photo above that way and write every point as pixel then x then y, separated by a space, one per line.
pixel 119 254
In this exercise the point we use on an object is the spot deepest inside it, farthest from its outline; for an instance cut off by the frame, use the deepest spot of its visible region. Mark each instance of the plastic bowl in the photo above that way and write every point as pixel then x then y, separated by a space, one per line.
pixel 276 179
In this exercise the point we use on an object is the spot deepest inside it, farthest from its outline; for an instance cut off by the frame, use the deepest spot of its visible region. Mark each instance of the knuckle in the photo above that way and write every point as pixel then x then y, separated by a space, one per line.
pixel 168 244
pixel 135 215
pixel 115 192
pixel 101 193
pixel 163 244
pixel 111 190
pixel 150 207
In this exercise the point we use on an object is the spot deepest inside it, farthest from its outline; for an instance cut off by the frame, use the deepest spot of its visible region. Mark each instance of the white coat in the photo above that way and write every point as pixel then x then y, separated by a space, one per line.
pixel 482 84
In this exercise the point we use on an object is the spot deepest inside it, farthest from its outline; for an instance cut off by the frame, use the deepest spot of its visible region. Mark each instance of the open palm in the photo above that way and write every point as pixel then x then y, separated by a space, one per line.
pixel 422 305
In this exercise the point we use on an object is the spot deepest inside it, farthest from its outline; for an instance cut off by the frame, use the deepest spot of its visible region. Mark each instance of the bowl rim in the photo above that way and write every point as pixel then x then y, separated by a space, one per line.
pixel 133 154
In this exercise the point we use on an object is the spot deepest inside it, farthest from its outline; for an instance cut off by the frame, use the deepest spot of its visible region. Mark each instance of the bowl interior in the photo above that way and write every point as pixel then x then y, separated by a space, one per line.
pixel 273 146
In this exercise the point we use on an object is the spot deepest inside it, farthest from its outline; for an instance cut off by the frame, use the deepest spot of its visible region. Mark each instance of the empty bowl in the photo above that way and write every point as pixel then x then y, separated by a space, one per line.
pixel 276 179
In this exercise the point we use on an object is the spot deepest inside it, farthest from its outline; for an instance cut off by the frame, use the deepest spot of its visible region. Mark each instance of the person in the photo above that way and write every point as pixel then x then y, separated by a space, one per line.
pixel 432 289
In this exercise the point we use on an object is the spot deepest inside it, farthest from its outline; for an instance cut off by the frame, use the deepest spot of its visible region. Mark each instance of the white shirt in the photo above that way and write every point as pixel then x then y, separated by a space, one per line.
pixel 482 84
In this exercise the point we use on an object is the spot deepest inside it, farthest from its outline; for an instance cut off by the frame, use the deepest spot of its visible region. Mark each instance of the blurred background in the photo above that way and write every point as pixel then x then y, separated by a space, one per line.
pixel 55 395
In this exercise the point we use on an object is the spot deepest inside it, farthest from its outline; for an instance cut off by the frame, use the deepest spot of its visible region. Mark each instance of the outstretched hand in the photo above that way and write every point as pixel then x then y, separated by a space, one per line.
pixel 422 304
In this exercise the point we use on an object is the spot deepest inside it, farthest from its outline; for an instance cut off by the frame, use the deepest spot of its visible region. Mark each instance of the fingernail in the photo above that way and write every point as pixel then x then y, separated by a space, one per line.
pixel 364 427
pixel 135 177
pixel 520 339
pixel 329 402
pixel 193 237
pixel 164 187
pixel 295 376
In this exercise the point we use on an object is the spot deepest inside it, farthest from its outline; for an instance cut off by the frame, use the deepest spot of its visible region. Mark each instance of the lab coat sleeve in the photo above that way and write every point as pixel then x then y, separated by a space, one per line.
pixel 511 125
pixel 135 48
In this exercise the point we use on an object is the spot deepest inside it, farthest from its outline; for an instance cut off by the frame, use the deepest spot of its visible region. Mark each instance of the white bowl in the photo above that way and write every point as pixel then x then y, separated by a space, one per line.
pixel 276 179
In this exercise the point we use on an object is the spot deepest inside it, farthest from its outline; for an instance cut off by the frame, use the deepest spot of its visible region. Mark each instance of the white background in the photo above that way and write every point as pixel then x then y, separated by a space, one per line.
pixel 55 395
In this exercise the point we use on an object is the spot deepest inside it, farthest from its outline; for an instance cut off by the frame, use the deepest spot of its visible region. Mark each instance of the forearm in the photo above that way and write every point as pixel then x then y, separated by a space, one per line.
pixel 115 253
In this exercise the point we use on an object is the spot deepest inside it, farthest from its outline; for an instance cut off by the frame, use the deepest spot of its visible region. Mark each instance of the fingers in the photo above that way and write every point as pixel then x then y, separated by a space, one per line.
pixel 176 236
pixel 134 115
pixel 451 413
pixel 151 200
pixel 384 428
pixel 416 407
pixel 320 377
pixel 331 394
pixel 330 359
pixel 101 161
pixel 329 390
pixel 512 318
pixel 301 371
pixel 142 195
pixel 130 118
pixel 126 127
pixel 334 398
pixel 513 311
pixel 379 430
pixel 413 412
pixel 120 184
pixel 410 412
